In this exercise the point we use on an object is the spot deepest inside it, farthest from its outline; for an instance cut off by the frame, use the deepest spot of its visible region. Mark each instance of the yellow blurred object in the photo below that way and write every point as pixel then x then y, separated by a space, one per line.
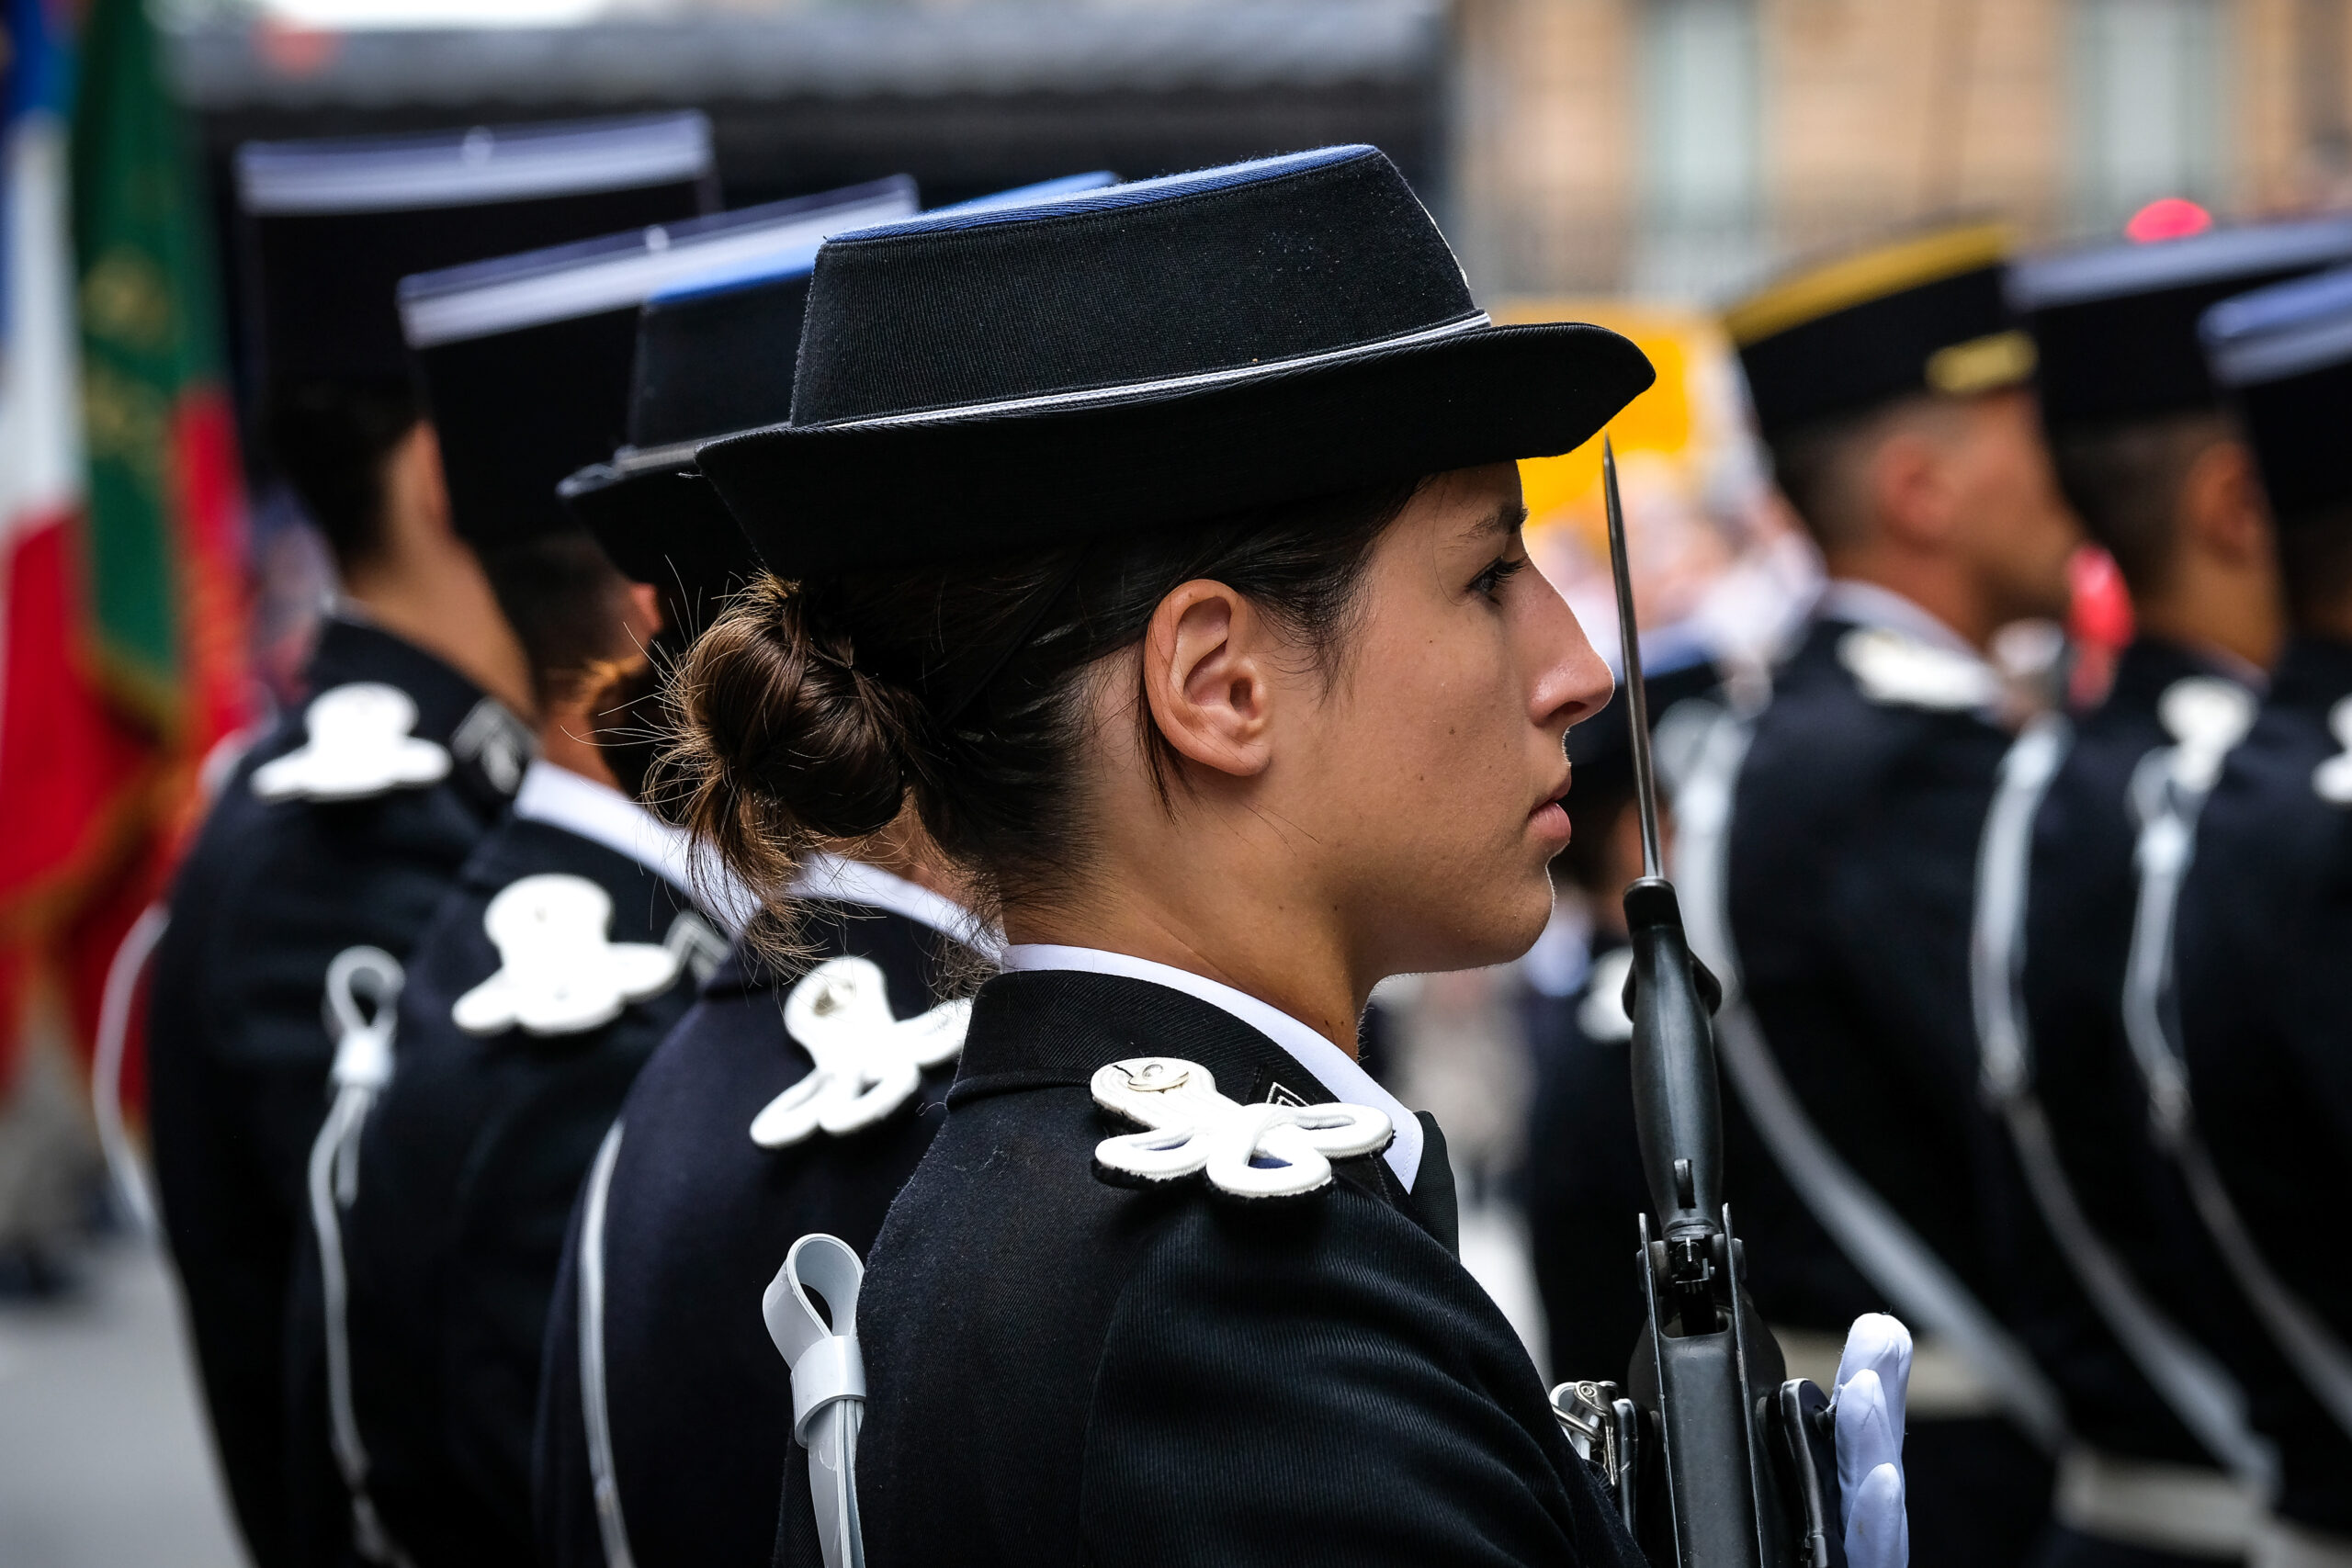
pixel 1677 420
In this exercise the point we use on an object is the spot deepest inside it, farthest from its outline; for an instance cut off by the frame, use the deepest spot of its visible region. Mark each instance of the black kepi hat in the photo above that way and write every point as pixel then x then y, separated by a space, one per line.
pixel 714 355
pixel 1921 313
pixel 524 359
pixel 2284 357
pixel 2116 326
pixel 971 384
pixel 329 227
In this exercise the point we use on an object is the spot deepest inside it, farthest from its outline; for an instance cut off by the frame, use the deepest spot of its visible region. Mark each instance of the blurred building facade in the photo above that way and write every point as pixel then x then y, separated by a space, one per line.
pixel 1670 148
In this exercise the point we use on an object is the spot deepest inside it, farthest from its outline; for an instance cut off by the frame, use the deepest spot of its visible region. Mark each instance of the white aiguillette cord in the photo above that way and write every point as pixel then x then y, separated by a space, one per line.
pixel 828 1382
pixel 363 1065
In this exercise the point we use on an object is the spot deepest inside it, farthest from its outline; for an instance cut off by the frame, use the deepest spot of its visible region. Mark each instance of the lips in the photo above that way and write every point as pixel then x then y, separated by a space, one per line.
pixel 1558 795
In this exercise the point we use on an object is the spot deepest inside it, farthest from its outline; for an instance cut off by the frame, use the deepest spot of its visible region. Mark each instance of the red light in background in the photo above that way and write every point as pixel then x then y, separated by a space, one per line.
pixel 2102 605
pixel 2168 217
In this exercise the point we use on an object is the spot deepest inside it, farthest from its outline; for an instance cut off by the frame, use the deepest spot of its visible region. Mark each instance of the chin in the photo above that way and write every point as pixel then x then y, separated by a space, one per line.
pixel 1494 922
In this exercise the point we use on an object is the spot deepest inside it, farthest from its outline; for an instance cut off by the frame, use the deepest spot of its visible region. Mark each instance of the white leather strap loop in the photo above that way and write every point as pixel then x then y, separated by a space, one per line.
pixel 363 1065
pixel 833 1369
pixel 828 1382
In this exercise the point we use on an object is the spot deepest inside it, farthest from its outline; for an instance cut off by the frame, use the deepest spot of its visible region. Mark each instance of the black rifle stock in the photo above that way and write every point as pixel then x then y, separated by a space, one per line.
pixel 1718 1459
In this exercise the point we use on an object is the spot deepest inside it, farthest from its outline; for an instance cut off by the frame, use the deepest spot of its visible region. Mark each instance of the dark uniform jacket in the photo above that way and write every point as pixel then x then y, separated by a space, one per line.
pixel 2263 967
pixel 697 1219
pixel 1063 1370
pixel 1850 890
pixel 2079 916
pixel 1585 1186
pixel 468 1169
pixel 237 1047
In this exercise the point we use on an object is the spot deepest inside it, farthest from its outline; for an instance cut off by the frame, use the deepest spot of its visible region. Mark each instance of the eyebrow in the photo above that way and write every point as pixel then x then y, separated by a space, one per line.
pixel 1507 518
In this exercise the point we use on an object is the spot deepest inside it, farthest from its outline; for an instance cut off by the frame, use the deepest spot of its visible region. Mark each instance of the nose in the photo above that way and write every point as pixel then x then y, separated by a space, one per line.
pixel 1571 682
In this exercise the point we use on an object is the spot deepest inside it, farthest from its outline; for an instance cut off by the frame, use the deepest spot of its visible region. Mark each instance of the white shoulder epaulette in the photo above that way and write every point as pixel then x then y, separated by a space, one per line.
pixel 868 1061
pixel 1902 672
pixel 2331 780
pixel 2206 715
pixel 559 971
pixel 358 743
pixel 1268 1150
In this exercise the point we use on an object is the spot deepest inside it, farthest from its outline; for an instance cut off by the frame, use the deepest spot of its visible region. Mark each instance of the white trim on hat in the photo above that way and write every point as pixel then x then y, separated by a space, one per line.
pixel 1471 322
pixel 2114 271
pixel 399 173
pixel 622 277
pixel 2314 344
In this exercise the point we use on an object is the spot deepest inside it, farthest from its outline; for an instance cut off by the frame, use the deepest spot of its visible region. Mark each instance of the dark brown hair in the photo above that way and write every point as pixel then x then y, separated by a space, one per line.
pixel 568 609
pixel 331 440
pixel 2124 481
pixel 1821 467
pixel 813 711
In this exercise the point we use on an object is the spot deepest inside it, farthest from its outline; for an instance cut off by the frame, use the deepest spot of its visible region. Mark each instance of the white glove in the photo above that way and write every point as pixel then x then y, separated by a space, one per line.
pixel 1873 1377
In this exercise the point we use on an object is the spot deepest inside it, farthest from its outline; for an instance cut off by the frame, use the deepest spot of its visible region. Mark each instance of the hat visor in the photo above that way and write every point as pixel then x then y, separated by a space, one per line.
pixel 820 500
pixel 665 526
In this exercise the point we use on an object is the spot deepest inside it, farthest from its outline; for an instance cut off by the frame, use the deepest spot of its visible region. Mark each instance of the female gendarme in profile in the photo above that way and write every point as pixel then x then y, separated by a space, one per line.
pixel 1162 544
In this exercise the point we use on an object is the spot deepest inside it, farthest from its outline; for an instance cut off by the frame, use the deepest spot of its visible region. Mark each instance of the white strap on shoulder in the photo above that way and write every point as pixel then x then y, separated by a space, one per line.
pixel 1889 1253
pixel 595 1408
pixel 828 1382
pixel 131 1187
pixel 363 1065
pixel 2171 787
pixel 2201 1391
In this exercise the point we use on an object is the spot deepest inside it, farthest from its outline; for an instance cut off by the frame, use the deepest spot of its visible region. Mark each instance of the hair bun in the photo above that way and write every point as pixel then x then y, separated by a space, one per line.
pixel 783 739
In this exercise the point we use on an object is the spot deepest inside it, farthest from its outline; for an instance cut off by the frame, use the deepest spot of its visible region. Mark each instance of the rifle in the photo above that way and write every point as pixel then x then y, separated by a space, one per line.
pixel 1717 1459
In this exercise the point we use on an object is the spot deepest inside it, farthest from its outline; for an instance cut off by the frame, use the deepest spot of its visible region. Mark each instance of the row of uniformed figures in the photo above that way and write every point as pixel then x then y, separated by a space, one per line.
pixel 1133 570
pixel 2039 1032
pixel 516 1020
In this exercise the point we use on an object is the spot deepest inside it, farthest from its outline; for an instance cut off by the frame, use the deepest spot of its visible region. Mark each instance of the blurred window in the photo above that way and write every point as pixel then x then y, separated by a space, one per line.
pixel 2149 80
pixel 1700 153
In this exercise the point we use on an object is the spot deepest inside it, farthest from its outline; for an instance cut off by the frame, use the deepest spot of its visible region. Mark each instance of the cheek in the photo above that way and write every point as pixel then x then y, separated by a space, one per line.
pixel 1440 746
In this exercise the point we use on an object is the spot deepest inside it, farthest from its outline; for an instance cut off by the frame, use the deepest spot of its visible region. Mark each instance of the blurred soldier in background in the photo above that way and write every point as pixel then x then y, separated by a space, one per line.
pixel 1838 835
pixel 794 1100
pixel 345 825
pixel 2165 1468
pixel 572 938
pixel 2257 1108
pixel 1584 1170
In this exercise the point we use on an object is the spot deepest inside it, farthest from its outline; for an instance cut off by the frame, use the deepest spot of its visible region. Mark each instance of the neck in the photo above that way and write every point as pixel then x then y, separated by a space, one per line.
pixel 1278 955
pixel 451 613
pixel 2211 603
pixel 566 740
pixel 1928 581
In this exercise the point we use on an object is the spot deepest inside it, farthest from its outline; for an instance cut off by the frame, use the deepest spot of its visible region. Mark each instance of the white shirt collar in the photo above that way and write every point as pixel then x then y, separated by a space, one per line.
pixel 1869 604
pixel 1338 1071
pixel 597 812
pixel 854 881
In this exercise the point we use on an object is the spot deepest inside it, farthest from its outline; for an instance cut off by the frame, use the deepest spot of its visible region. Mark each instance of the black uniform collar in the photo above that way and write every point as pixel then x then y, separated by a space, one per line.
pixel 2149 665
pixel 2315 673
pixel 490 743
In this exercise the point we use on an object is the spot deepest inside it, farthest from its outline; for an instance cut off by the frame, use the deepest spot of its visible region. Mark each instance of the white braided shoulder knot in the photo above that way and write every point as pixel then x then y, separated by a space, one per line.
pixel 1246 1151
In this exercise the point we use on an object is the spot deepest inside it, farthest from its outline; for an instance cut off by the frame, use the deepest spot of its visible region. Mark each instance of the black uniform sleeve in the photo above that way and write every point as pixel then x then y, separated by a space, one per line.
pixel 1309 1388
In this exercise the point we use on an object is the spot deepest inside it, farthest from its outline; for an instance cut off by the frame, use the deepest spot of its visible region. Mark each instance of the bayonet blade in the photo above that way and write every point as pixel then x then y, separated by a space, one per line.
pixel 1638 699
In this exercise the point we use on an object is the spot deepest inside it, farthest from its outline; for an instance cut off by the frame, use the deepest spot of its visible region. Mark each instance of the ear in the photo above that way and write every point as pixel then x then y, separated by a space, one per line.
pixel 417 491
pixel 1910 489
pixel 2222 510
pixel 1207 678
pixel 644 613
